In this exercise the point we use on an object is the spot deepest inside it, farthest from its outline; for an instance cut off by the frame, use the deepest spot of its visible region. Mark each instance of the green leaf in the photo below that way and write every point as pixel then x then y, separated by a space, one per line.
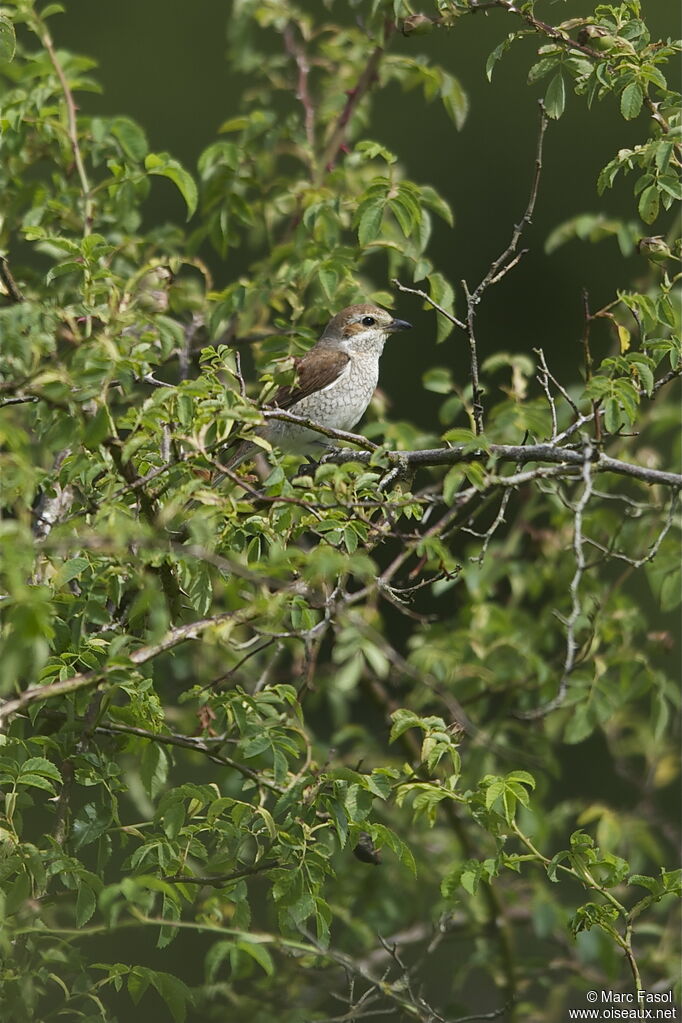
pixel 174 992
pixel 41 766
pixel 369 226
pixel 96 429
pixel 555 97
pixel 36 781
pixel 452 482
pixel 454 100
pixel 92 821
pixel 430 197
pixel 131 137
pixel 499 50
pixel 649 204
pixel 153 768
pixel 86 903
pixel 402 720
pixel 8 41
pixel 71 569
pixel 329 279
pixel 138 982
pixel 383 836
pixel 260 953
pixel 631 100
pixel 164 165
pixel 440 290
pixel 372 150
pixel 438 379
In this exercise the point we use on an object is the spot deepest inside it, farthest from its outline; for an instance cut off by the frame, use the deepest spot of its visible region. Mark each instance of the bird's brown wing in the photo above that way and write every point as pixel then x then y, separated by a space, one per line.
pixel 315 370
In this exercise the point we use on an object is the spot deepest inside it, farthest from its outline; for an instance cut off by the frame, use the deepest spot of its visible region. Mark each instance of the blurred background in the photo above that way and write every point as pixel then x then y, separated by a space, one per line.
pixel 164 63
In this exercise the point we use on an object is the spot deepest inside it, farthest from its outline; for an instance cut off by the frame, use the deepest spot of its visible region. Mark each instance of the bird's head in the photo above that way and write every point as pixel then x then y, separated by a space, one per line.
pixel 361 329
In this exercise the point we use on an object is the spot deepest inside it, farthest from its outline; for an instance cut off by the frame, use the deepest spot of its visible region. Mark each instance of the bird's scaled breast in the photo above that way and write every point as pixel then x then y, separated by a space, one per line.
pixel 342 404
pixel 339 406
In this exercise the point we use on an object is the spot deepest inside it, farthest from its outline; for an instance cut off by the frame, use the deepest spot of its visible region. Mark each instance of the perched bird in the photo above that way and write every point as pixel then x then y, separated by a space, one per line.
pixel 334 381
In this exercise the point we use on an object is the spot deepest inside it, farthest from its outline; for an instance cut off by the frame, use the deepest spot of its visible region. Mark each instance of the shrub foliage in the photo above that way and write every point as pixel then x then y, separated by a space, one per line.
pixel 223 706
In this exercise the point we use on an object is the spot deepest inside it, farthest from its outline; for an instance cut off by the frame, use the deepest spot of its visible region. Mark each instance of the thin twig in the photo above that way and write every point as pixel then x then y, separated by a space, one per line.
pixel 427 298
pixel 363 85
pixel 476 397
pixel 218 880
pixel 342 435
pixel 300 58
pixel 72 124
pixel 504 262
pixel 555 34
pixel 574 590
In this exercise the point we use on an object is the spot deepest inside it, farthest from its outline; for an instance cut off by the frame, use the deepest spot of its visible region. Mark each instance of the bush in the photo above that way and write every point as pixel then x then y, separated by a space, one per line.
pixel 318 731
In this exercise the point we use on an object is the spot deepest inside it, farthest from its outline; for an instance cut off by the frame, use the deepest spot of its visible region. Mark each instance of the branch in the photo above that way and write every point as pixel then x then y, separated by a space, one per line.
pixel 422 294
pixel 540 26
pixel 302 93
pixel 11 286
pixel 218 880
pixel 509 258
pixel 551 452
pixel 89 679
pixel 574 589
pixel 343 435
pixel 20 399
pixel 72 125
pixel 363 85
pixel 169 583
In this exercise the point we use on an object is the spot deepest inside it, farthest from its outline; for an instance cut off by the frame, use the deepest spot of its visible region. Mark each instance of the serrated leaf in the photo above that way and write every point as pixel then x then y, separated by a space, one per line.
pixel 36 781
pixel 499 50
pixel 555 97
pixel 369 226
pixel 42 766
pixel 648 204
pixel 174 992
pixel 86 902
pixel 131 137
pixel 631 100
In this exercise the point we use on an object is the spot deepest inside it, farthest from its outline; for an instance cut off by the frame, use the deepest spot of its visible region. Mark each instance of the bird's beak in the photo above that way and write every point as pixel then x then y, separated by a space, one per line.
pixel 398 325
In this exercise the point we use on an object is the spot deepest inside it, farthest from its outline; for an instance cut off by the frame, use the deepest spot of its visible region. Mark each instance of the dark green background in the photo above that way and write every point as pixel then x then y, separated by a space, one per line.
pixel 164 63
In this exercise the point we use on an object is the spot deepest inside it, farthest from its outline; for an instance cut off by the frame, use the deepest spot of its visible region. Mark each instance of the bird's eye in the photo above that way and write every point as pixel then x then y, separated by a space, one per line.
pixel 368 321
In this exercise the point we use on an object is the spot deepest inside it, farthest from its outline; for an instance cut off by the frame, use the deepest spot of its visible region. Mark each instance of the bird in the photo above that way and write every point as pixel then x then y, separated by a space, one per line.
pixel 334 382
